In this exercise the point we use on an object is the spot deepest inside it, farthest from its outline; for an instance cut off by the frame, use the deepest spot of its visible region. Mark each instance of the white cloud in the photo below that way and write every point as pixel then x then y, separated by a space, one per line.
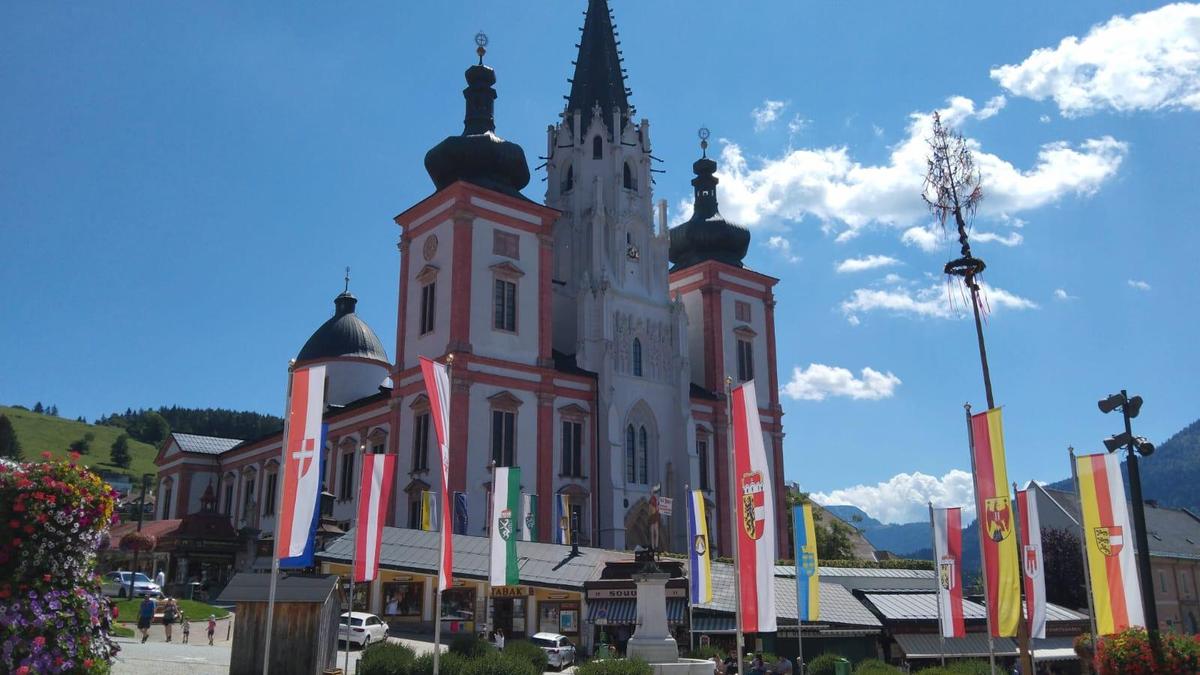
pixel 936 301
pixel 846 196
pixel 1010 239
pixel 994 105
pixel 1062 294
pixel 1149 61
pixel 783 247
pixel 1138 284
pixel 852 320
pixel 1044 119
pixel 766 114
pixel 868 263
pixel 877 130
pixel 905 497
pixel 819 381
pixel 928 239
pixel 797 124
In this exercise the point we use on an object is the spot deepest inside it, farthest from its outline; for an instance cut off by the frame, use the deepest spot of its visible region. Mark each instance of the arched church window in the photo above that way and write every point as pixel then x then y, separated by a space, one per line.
pixel 630 455
pixel 643 456
pixel 637 357
pixel 569 181
pixel 597 148
pixel 627 177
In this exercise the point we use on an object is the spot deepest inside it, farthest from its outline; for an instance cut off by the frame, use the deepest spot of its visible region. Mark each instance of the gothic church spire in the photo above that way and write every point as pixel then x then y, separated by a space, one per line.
pixel 599 78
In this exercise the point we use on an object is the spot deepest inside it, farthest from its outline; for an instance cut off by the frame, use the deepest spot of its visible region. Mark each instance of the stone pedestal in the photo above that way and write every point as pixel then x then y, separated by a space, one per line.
pixel 652 641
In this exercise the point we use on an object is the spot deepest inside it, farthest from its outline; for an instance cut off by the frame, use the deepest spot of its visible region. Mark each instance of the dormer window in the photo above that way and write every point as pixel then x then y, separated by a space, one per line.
pixel 597 148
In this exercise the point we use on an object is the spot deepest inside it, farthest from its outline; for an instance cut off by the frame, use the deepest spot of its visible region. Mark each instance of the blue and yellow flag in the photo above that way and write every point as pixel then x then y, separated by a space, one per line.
pixel 429 519
pixel 807 584
pixel 698 555
pixel 562 513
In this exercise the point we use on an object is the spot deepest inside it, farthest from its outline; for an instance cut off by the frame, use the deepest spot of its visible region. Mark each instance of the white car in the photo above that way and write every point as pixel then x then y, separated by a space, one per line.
pixel 116 584
pixel 363 629
pixel 560 651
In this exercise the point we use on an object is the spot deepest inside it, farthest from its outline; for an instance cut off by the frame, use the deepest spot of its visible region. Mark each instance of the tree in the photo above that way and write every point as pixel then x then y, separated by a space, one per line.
pixel 37 408
pixel 154 428
pixel 10 447
pixel 120 452
pixel 834 539
pixel 52 410
pixel 1064 568
pixel 84 445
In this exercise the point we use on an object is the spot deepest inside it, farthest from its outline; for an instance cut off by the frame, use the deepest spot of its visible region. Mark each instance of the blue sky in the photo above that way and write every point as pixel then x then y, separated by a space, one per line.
pixel 181 186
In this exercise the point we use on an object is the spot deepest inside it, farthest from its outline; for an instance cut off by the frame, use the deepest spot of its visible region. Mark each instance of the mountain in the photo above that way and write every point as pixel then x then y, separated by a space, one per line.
pixel 1170 475
pixel 899 538
pixel 40 433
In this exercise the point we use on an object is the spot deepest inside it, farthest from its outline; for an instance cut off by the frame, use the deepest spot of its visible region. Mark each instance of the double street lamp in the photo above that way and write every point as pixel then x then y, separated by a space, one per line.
pixel 1130 406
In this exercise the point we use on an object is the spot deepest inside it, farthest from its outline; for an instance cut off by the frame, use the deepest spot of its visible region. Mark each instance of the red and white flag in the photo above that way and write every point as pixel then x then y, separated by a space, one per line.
pixel 755 514
pixel 301 461
pixel 437 387
pixel 375 490
pixel 1032 564
pixel 947 552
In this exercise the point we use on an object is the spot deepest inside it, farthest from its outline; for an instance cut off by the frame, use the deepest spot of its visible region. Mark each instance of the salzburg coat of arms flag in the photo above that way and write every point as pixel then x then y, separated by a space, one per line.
pixel 997 529
pixel 754 506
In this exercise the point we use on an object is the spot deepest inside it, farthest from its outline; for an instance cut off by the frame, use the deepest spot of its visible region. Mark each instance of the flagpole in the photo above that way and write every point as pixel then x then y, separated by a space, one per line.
pixel 1026 613
pixel 982 553
pixel 937 578
pixel 1087 570
pixel 275 554
pixel 437 591
pixel 353 566
pixel 687 503
pixel 733 539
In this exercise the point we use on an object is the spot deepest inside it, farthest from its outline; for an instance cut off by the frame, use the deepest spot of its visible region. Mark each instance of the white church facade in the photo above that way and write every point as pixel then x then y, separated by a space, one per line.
pixel 592 343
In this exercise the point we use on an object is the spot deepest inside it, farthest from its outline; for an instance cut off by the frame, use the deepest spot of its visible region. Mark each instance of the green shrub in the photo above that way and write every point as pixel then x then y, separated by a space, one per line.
pixel 500 663
pixel 823 664
pixel 450 664
pixel 875 667
pixel 961 668
pixel 615 667
pixel 528 652
pixel 706 652
pixel 387 658
pixel 469 645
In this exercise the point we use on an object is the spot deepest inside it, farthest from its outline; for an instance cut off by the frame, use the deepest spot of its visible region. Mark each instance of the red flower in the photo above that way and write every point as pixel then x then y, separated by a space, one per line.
pixel 87 663
pixel 46 454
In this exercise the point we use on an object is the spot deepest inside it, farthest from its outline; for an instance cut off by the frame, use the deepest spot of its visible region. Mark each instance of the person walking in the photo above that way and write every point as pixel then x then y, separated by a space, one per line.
pixel 212 628
pixel 170 616
pixel 185 626
pixel 160 579
pixel 145 617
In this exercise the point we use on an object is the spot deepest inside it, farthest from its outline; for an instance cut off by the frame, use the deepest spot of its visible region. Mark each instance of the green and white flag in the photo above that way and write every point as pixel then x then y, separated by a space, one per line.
pixel 529 522
pixel 506 520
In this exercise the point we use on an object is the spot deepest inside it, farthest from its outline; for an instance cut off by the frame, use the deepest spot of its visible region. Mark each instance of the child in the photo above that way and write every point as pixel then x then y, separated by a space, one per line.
pixel 212 627
pixel 183 620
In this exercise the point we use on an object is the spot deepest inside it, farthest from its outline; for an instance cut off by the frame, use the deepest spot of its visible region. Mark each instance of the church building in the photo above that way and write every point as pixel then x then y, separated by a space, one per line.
pixel 592 342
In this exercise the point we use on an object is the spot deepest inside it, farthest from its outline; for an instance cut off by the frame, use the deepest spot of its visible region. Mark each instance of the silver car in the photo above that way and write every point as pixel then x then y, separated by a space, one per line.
pixel 116 584
pixel 560 651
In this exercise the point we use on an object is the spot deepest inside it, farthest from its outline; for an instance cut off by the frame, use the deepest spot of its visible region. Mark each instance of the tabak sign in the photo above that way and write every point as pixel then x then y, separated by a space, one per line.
pixel 510 591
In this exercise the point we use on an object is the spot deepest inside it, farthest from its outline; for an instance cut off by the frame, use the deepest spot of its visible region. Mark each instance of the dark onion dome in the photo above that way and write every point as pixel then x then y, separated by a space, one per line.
pixel 479 156
pixel 707 235
pixel 343 335
pixel 599 79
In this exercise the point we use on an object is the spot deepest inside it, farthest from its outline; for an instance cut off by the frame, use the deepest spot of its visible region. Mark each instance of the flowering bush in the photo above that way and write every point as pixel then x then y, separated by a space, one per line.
pixel 1128 653
pixel 138 541
pixel 53 617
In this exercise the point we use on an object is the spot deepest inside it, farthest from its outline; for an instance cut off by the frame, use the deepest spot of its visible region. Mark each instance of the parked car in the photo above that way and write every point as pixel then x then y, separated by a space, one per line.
pixel 116 584
pixel 363 629
pixel 560 651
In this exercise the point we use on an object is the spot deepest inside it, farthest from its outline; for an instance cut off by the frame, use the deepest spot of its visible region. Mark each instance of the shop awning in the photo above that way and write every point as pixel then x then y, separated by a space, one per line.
pixel 973 645
pixel 615 611
pixel 1054 649
pixel 709 623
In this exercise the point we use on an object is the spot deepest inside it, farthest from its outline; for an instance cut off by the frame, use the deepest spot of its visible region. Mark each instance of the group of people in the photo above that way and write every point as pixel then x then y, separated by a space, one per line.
pixel 756 666
pixel 171 615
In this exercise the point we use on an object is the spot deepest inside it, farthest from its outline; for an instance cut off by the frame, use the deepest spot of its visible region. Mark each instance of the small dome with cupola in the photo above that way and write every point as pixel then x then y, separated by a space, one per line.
pixel 707 235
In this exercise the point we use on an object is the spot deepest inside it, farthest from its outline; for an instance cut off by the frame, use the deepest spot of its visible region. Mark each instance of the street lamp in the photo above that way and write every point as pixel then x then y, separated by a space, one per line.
pixel 1130 407
pixel 146 478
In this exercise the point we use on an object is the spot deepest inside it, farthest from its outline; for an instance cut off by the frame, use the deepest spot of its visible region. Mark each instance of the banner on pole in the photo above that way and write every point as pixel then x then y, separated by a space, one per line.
pixel 994 512
pixel 698 551
pixel 1032 563
pixel 529 517
pixel 429 510
pixel 1116 595
pixel 302 451
pixel 375 489
pixel 947 556
pixel 505 519
pixel 754 504
pixel 437 388
pixel 808 587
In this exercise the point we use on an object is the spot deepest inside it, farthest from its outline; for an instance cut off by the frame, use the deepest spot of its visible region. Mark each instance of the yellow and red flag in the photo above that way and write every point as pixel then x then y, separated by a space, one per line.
pixel 1116 596
pixel 993 510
